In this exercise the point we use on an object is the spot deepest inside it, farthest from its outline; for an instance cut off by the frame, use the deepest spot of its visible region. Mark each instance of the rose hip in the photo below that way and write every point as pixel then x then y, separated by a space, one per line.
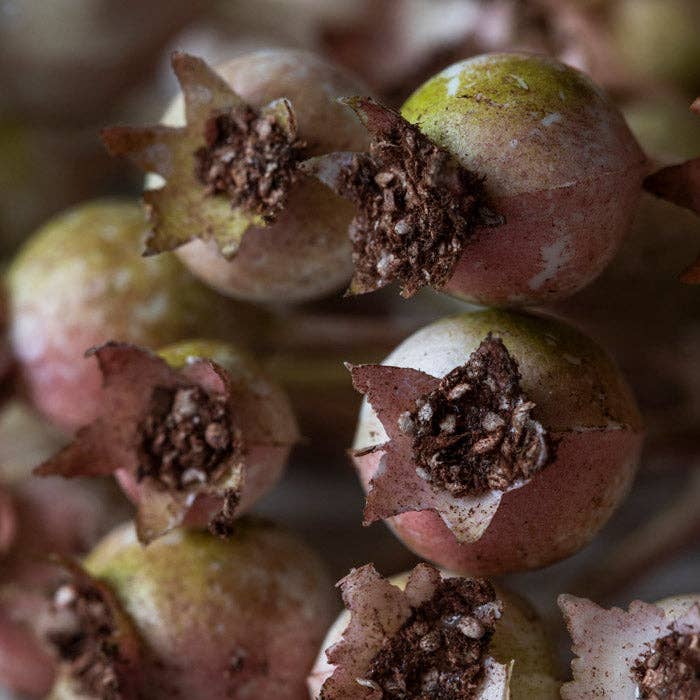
pixel 647 651
pixel 193 615
pixel 80 281
pixel 234 204
pixel 435 633
pixel 197 434
pixel 508 179
pixel 494 442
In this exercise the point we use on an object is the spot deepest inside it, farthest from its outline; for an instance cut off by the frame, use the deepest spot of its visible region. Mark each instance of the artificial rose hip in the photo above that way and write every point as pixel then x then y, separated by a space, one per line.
pixel 80 281
pixel 649 652
pixel 512 139
pixel 428 634
pixel 192 616
pixel 494 441
pixel 253 226
pixel 196 435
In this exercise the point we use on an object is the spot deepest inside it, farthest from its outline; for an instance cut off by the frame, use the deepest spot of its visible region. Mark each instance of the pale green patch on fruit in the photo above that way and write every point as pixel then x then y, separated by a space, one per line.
pixel 521 84
pixel 230 357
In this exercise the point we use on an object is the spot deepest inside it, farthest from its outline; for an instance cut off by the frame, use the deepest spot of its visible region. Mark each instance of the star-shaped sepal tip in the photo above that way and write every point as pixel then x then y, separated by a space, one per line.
pixel 112 443
pixel 185 209
pixel 680 184
pixel 416 205
pixel 400 483
pixel 378 610
pixel 110 649
pixel 608 643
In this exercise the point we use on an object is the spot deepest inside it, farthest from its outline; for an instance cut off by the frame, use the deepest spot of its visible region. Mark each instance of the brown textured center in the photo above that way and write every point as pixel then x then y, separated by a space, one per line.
pixel 417 207
pixel 474 433
pixel 83 636
pixel 249 158
pixel 670 669
pixel 438 654
pixel 186 436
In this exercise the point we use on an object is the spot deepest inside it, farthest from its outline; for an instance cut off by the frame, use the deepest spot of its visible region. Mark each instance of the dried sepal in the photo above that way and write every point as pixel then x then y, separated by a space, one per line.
pixel 94 640
pixel 608 643
pixel 378 612
pixel 487 461
pixel 680 184
pixel 417 206
pixel 141 394
pixel 189 206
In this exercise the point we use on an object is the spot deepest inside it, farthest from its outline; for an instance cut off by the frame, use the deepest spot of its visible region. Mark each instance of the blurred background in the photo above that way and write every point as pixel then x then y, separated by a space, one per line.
pixel 70 67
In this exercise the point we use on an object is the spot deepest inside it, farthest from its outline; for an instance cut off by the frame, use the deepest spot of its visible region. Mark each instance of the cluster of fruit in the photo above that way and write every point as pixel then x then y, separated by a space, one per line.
pixel 491 441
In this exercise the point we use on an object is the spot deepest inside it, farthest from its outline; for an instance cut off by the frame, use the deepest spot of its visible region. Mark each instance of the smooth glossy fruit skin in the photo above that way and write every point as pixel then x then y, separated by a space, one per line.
pixel 200 603
pixel 560 165
pixel 578 392
pixel 305 254
pixel 519 635
pixel 81 281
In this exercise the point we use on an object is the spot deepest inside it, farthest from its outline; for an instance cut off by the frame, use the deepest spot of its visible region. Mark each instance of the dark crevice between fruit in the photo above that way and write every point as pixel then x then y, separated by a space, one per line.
pixel 84 638
pixel 249 158
pixel 439 652
pixel 474 432
pixel 670 669
pixel 185 438
pixel 417 208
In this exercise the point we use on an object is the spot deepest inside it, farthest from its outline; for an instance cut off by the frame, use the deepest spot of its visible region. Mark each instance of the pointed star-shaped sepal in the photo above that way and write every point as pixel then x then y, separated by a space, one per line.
pixel 183 209
pixel 378 609
pixel 607 643
pixel 110 443
pixel 396 486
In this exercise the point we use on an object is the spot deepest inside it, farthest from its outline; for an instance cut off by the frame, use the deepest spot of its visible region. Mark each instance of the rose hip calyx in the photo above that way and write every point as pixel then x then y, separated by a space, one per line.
pixel 238 160
pixel 185 438
pixel 172 430
pixel 417 206
pixel 92 638
pixel 474 433
pixel 250 157
pixel 429 639
pixel 85 643
pixel 439 651
pixel 456 444
pixel 651 652
pixel 670 669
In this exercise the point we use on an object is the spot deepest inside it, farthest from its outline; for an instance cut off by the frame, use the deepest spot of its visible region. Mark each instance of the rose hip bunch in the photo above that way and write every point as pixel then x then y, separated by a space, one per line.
pixel 490 442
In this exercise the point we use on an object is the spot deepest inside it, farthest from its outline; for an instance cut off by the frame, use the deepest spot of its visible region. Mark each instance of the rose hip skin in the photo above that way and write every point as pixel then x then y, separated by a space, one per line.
pixel 633 653
pixel 519 635
pixel 560 165
pixel 81 281
pixel 240 618
pixel 305 252
pixel 583 403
